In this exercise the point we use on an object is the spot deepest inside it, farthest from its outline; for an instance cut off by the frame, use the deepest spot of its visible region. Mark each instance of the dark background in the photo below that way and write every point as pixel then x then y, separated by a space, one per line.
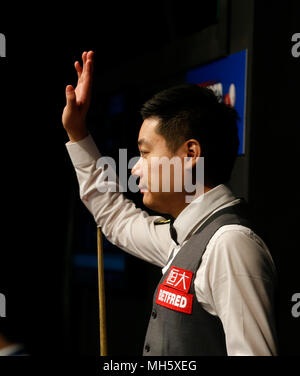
pixel 52 305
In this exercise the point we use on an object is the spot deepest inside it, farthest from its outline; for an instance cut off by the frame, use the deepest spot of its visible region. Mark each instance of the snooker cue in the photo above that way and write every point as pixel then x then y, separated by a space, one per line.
pixel 101 291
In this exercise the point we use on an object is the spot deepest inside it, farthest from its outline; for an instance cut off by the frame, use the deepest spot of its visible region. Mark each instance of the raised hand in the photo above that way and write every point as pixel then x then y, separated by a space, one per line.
pixel 78 99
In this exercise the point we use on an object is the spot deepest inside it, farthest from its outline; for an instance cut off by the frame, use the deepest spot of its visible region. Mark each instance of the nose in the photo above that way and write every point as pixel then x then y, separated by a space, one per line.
pixel 136 169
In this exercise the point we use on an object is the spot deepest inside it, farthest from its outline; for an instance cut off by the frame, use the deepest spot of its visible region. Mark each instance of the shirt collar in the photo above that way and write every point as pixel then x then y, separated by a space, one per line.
pixel 199 209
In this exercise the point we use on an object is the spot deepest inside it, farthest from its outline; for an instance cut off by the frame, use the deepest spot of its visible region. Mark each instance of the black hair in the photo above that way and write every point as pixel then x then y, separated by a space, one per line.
pixel 192 111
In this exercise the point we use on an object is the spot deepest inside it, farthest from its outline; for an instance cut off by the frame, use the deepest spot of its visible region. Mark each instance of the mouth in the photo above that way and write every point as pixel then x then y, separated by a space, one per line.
pixel 143 188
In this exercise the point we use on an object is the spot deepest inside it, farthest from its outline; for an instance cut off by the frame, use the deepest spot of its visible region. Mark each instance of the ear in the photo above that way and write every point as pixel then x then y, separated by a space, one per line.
pixel 193 151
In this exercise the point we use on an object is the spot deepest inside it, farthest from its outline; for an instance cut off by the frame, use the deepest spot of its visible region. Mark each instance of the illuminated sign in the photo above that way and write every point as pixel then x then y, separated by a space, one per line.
pixel 227 77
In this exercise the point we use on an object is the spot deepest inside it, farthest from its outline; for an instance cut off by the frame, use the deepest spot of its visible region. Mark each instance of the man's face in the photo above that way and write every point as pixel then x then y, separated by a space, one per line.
pixel 155 176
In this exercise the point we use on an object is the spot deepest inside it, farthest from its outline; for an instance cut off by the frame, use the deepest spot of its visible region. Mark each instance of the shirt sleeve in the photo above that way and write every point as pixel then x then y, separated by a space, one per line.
pixel 125 225
pixel 237 284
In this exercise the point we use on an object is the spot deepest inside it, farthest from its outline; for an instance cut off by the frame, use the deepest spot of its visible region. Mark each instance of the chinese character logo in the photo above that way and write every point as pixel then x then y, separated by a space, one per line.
pixel 179 278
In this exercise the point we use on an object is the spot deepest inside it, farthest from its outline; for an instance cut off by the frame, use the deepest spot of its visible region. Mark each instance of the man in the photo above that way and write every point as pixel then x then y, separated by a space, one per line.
pixel 215 296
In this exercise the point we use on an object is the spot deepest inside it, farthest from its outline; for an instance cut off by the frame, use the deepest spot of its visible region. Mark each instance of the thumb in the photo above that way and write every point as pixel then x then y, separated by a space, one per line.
pixel 70 96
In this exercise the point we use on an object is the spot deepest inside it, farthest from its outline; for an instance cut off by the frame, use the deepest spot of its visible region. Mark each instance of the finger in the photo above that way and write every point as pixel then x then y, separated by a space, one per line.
pixel 89 67
pixel 90 55
pixel 70 96
pixel 90 62
pixel 86 89
pixel 78 68
pixel 84 59
pixel 84 55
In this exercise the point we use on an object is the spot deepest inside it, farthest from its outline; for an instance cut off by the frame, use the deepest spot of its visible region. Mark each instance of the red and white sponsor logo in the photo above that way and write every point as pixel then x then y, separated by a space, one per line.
pixel 217 87
pixel 179 279
pixel 173 299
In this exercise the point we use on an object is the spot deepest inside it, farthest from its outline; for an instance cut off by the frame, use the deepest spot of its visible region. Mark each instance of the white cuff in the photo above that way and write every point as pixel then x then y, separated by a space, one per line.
pixel 83 151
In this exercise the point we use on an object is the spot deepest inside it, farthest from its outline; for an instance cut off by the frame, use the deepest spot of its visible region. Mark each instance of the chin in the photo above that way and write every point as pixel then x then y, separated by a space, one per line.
pixel 151 203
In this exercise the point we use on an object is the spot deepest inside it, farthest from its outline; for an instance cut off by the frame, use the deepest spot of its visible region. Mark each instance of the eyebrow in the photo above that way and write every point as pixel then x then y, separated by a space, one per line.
pixel 142 141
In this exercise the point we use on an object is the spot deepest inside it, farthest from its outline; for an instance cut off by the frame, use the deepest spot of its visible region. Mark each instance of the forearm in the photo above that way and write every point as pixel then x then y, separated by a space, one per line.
pixel 122 223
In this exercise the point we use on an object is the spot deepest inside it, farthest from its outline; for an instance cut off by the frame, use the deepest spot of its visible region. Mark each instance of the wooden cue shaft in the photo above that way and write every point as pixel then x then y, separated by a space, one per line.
pixel 101 290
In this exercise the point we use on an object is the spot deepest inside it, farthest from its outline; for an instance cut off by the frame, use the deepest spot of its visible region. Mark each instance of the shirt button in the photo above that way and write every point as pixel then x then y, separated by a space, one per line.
pixel 154 314
pixel 147 348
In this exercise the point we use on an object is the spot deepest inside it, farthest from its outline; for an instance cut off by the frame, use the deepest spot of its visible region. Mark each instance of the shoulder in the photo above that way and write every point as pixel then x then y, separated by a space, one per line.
pixel 235 233
pixel 238 250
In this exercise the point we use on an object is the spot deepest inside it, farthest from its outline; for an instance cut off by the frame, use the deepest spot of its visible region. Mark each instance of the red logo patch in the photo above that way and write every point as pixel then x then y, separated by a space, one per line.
pixel 179 279
pixel 173 299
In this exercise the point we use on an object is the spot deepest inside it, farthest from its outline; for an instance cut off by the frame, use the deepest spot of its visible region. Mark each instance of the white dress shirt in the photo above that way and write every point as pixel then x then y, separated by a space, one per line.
pixel 235 280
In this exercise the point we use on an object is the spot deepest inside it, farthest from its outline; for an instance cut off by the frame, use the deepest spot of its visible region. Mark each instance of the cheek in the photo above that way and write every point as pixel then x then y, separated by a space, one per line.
pixel 154 175
pixel 163 176
pixel 143 167
pixel 145 172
